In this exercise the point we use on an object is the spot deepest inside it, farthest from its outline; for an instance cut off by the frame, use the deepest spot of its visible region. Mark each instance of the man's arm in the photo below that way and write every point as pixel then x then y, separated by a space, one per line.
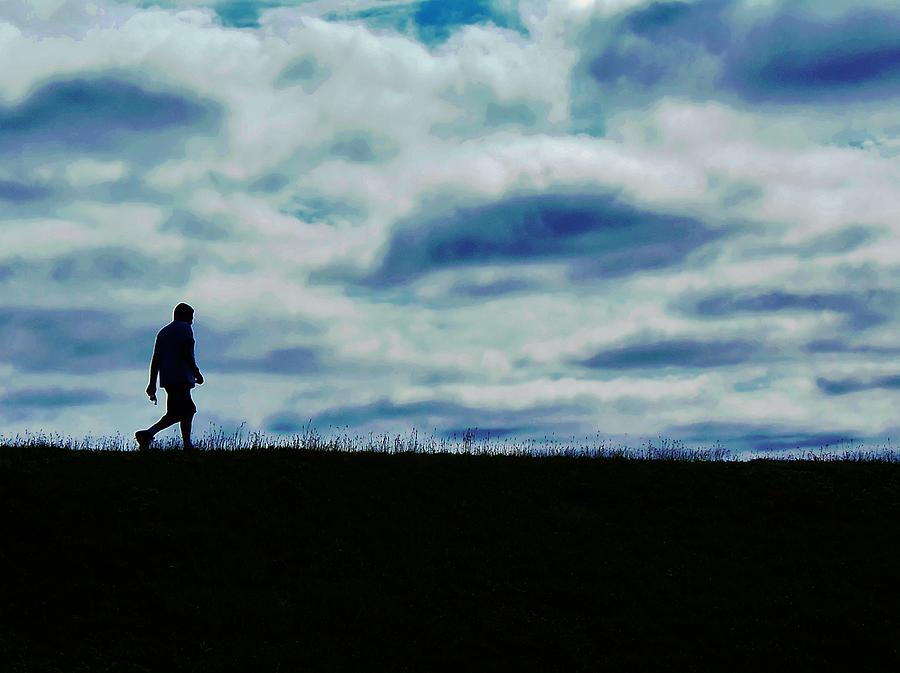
pixel 154 372
pixel 192 362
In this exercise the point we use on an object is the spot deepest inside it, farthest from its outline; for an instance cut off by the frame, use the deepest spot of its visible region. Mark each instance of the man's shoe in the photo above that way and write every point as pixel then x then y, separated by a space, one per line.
pixel 143 439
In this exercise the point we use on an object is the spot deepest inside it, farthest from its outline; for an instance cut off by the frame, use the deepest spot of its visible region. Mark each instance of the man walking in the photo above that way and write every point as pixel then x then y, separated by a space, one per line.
pixel 173 360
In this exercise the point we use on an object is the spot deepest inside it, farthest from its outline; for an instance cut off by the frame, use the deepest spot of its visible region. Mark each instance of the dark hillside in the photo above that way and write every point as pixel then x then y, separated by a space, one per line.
pixel 290 560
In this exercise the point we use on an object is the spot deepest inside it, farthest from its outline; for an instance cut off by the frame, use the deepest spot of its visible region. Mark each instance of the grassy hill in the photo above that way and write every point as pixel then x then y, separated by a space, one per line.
pixel 298 560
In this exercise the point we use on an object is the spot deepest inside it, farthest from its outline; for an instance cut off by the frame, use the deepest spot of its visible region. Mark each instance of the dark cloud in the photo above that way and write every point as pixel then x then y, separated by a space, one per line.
pixel 853 385
pixel 361 147
pixel 27 200
pixel 842 346
pixel 506 114
pixel 307 72
pixel 354 148
pixel 10 268
pixel 446 418
pixel 286 423
pixel 110 266
pixel 661 246
pixel 74 341
pixel 862 310
pixel 790 58
pixel 89 341
pixel 128 189
pixel 317 208
pixel 495 288
pixel 658 17
pixel 97 268
pixel 215 346
pixel 604 236
pixel 699 22
pixel 751 385
pixel 656 47
pixel 280 361
pixel 687 353
pixel 739 194
pixel 191 226
pixel 838 242
pixel 758 437
pixel 53 397
pixel 384 409
pixel 709 50
pixel 13 192
pixel 101 115
pixel 272 182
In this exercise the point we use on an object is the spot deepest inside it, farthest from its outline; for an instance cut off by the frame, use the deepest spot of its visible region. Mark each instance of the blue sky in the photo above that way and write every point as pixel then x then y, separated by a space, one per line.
pixel 620 218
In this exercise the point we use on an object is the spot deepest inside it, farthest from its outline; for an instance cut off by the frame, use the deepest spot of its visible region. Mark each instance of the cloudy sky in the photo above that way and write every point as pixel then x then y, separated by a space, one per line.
pixel 613 218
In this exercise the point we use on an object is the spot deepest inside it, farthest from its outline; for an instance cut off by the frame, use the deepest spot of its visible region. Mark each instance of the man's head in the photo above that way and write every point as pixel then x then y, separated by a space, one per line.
pixel 184 312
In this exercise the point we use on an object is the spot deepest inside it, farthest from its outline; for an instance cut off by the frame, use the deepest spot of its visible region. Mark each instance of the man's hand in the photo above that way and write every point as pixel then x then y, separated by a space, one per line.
pixel 199 378
pixel 151 393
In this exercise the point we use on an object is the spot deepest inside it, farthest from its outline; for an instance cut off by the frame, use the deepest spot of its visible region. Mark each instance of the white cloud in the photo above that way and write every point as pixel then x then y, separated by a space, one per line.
pixel 89 172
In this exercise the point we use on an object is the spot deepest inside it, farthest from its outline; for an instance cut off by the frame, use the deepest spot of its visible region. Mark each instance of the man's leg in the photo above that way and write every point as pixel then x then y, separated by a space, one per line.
pixel 186 432
pixel 144 437
pixel 163 423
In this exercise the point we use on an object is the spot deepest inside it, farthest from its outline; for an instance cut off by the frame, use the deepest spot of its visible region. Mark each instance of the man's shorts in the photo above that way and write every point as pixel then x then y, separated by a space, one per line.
pixel 179 403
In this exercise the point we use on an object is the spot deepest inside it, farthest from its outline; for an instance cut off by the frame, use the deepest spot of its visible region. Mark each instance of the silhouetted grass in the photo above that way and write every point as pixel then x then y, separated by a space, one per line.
pixel 408 554
pixel 468 443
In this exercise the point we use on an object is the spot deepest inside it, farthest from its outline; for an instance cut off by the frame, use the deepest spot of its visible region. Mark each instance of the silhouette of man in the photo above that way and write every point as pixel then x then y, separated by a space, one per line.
pixel 173 360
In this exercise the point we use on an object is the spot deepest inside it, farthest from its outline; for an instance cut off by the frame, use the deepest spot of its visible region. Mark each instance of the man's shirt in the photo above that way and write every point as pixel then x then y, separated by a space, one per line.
pixel 174 355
